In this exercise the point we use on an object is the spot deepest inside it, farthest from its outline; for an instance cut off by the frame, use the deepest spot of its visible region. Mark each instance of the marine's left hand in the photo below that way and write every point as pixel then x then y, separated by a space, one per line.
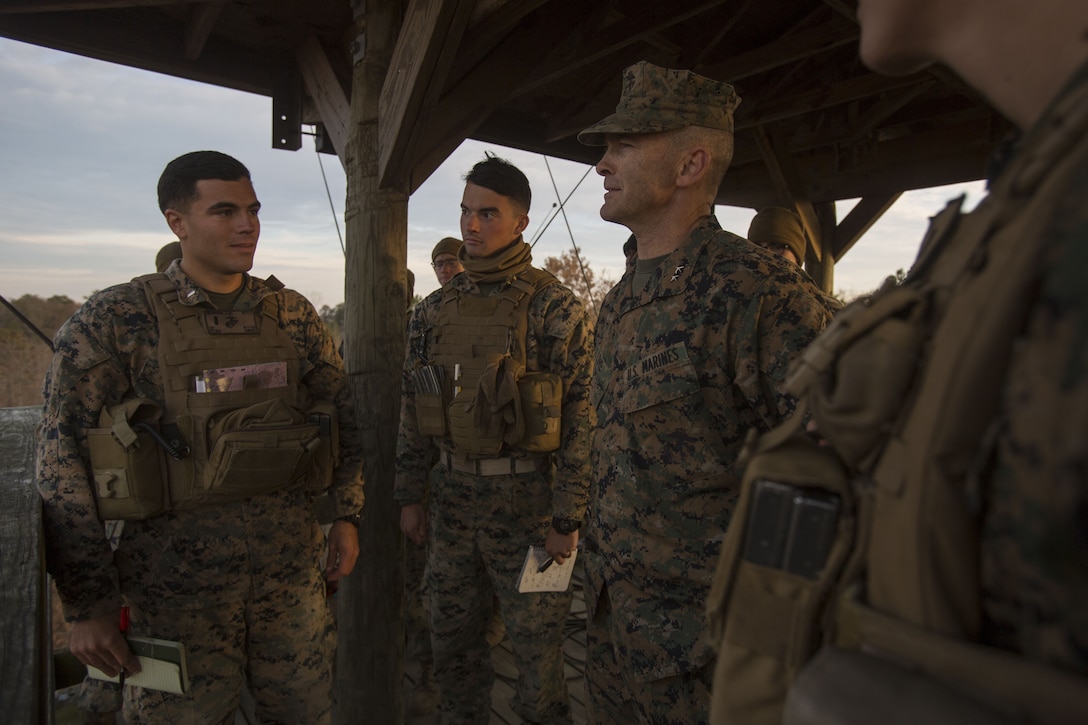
pixel 343 550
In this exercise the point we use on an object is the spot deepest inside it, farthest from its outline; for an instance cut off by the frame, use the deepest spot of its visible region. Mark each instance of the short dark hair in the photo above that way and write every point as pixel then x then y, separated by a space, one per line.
pixel 502 177
pixel 177 185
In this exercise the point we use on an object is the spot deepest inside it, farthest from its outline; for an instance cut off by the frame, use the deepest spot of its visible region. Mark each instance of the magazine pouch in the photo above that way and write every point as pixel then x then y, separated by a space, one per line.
pixel 127 462
pixel 541 405
pixel 259 449
pixel 783 551
pixel 430 400
pixel 479 415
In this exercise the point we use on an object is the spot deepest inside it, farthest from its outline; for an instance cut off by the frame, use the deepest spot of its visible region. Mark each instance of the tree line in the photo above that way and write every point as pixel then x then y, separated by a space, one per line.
pixel 24 356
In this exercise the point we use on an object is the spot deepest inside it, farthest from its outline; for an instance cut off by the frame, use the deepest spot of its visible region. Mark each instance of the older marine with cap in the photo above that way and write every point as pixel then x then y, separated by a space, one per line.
pixel 692 347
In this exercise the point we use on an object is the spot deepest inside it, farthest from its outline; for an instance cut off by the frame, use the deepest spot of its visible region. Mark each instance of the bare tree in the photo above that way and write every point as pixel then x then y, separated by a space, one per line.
pixel 574 271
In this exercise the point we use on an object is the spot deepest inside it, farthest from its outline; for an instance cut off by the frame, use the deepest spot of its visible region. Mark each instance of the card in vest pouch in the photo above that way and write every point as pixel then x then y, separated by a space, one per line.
pixel 127 462
pixel 786 544
pixel 258 449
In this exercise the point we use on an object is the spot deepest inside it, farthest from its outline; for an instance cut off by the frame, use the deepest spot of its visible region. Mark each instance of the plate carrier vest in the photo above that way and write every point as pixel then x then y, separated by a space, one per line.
pixel 208 448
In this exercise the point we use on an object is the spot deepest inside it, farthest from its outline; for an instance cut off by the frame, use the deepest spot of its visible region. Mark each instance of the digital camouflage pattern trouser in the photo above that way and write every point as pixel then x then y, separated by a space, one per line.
pixel 480 530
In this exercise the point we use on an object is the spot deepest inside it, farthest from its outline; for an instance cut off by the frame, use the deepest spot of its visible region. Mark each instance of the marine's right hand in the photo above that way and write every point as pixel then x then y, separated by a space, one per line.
pixel 413 522
pixel 98 642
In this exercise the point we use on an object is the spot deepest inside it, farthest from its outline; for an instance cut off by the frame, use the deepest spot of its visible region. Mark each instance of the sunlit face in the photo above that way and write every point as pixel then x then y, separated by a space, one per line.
pixel 899 37
pixel 446 267
pixel 639 173
pixel 490 221
pixel 218 233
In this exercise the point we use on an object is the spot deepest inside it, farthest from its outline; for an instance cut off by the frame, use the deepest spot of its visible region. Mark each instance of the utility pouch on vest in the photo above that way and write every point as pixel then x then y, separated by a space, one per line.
pixel 787 541
pixel 541 405
pixel 323 415
pixel 127 463
pixel 430 400
pixel 464 432
pixel 259 449
pixel 858 372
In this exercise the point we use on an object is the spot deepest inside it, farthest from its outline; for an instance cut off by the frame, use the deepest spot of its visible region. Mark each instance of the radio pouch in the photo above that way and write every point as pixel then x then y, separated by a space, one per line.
pixel 787 541
pixel 127 463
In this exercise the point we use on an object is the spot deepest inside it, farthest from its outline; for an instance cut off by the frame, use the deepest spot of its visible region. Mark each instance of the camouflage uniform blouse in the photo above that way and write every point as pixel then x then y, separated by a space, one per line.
pixel 560 343
pixel 683 369
pixel 107 353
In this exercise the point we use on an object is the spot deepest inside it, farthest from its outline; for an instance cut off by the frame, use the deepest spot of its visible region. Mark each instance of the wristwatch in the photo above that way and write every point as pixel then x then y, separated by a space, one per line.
pixel 566 527
pixel 353 519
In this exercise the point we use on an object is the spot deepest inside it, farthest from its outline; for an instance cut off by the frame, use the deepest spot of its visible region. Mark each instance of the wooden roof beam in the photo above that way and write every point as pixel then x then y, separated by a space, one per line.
pixel 330 99
pixel 865 213
pixel 60 6
pixel 787 181
pixel 426 48
pixel 201 23
pixel 608 40
pixel 475 96
pixel 790 48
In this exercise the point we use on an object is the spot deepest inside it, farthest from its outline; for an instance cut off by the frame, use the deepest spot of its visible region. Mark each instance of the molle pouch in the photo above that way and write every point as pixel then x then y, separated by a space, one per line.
pixel 466 436
pixel 786 544
pixel 258 449
pixel 541 405
pixel 323 415
pixel 430 400
pixel 855 376
pixel 127 462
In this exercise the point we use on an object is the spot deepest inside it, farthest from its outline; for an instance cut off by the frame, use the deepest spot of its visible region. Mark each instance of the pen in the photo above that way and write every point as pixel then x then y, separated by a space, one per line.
pixel 545 565
pixel 124 630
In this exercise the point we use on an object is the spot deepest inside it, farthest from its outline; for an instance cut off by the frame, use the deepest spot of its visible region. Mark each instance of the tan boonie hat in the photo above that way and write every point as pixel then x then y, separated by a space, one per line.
pixel 775 225
pixel 449 245
pixel 658 99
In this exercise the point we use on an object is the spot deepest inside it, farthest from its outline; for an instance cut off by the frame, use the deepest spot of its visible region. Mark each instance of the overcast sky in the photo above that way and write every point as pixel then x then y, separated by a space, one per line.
pixel 83 142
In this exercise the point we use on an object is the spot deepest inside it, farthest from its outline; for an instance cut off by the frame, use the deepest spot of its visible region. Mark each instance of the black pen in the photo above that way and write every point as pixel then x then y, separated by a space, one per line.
pixel 545 565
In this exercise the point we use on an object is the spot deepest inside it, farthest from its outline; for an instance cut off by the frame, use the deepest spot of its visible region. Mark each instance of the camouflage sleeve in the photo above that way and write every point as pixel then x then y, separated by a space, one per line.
pixel 1034 547
pixel 324 377
pixel 779 323
pixel 86 374
pixel 566 349
pixel 415 451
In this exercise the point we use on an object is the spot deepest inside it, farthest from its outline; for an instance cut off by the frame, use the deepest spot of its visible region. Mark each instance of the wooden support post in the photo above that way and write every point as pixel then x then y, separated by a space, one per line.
pixel 26 675
pixel 370 656
pixel 823 270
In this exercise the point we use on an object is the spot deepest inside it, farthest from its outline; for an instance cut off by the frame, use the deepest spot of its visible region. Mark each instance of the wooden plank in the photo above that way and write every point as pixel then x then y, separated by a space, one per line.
pixel 426 48
pixel 323 86
pixel 864 214
pixel 26 681
pixel 201 23
pixel 54 6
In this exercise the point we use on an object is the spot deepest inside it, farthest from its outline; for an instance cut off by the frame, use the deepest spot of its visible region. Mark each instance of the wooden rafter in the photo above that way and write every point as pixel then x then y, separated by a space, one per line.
pixel 200 26
pixel 329 98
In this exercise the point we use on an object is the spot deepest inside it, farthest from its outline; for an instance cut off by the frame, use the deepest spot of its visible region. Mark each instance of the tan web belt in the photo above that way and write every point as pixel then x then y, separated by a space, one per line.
pixel 491 466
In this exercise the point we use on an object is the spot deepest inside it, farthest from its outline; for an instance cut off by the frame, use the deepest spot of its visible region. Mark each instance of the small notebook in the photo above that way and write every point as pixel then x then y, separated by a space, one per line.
pixel 556 578
pixel 162 662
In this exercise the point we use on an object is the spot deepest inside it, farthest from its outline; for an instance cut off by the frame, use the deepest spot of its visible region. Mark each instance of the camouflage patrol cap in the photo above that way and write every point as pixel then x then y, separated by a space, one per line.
pixel 449 245
pixel 656 99
pixel 775 225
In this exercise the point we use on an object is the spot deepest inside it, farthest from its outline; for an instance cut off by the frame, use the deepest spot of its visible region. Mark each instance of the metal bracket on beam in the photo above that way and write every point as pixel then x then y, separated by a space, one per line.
pixel 358 48
pixel 287 112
